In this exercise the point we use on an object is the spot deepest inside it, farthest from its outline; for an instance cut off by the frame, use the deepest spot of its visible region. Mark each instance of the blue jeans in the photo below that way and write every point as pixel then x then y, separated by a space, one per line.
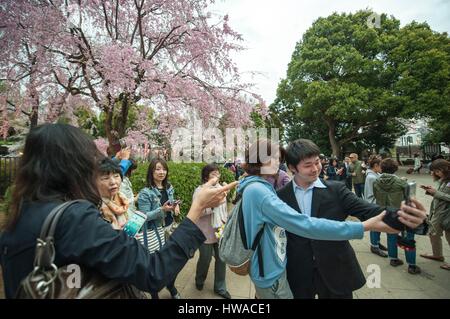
pixel 393 250
pixel 375 238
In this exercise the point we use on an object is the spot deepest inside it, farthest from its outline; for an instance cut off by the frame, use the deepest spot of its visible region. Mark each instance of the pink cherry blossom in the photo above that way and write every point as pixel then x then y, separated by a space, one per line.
pixel 171 55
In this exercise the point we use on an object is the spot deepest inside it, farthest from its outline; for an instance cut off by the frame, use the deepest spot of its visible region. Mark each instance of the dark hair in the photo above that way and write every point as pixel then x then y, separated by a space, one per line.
pixel 443 166
pixel 59 162
pixel 131 168
pixel 373 161
pixel 334 159
pixel 256 153
pixel 389 166
pixel 152 169
pixel 207 170
pixel 299 150
pixel 108 166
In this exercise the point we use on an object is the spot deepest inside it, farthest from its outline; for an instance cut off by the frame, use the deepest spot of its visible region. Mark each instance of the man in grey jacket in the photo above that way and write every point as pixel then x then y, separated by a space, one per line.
pixel 371 176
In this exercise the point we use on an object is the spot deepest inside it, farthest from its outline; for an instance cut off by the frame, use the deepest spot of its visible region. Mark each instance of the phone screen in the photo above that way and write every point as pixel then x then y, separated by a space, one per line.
pixel 134 224
pixel 410 192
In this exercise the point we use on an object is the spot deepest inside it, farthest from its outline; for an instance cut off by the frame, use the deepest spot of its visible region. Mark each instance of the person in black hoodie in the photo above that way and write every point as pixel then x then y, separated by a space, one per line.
pixel 59 164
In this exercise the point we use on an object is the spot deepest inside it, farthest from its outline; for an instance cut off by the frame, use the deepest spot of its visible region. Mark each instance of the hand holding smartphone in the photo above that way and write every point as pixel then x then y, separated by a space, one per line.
pixel 175 203
pixel 410 192
pixel 135 223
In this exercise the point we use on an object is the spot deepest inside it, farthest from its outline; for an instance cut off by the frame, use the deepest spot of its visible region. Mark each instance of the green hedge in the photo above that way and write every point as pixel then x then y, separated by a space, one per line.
pixel 184 177
pixel 4 205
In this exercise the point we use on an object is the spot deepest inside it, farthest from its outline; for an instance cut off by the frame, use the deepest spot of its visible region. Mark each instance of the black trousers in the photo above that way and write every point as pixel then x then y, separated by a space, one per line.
pixel 348 183
pixel 308 289
pixel 322 291
pixel 171 287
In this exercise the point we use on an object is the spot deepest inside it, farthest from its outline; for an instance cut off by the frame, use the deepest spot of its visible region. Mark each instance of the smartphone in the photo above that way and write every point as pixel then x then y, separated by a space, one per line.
pixel 175 202
pixel 410 192
pixel 123 143
pixel 135 223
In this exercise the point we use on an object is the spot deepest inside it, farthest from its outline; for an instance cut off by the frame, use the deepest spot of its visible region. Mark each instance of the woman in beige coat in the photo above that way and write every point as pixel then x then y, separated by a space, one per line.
pixel 439 218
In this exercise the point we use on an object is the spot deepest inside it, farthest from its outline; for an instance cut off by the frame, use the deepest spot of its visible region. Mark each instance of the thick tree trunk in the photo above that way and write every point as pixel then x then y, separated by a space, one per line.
pixel 335 146
pixel 113 139
pixel 34 115
pixel 34 95
pixel 122 123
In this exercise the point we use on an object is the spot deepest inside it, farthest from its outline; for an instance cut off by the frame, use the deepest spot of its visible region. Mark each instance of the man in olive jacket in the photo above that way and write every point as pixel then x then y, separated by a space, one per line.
pixel 358 174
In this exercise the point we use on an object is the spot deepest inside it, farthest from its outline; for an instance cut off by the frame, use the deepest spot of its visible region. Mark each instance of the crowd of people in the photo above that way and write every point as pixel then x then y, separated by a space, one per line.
pixel 299 204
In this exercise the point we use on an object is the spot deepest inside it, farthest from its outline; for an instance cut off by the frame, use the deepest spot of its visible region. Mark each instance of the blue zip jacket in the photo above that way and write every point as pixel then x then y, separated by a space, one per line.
pixel 261 205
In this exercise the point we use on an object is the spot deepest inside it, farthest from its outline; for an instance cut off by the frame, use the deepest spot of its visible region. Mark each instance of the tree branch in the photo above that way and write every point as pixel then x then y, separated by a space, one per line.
pixel 161 42
pixel 15 108
pixel 106 19
pixel 141 32
pixel 117 18
pixel 89 84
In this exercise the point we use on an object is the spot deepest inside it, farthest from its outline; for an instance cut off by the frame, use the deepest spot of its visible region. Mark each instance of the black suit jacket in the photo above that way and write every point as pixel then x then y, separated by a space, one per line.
pixel 335 260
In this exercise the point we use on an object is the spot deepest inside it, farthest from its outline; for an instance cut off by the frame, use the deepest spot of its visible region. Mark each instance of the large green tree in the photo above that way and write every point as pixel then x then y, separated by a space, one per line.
pixel 422 59
pixel 346 80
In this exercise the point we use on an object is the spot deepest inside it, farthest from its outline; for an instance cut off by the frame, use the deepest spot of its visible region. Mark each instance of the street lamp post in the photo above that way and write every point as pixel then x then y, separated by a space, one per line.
pixel 409 139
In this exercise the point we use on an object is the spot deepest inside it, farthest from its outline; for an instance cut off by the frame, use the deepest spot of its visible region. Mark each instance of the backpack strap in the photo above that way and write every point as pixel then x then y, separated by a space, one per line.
pixel 260 259
pixel 255 246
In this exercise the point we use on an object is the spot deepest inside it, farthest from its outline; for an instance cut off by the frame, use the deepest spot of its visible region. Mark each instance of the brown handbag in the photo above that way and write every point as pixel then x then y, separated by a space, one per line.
pixel 47 281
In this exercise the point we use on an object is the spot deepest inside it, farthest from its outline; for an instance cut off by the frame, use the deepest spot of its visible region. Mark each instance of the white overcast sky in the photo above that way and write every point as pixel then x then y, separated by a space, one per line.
pixel 271 29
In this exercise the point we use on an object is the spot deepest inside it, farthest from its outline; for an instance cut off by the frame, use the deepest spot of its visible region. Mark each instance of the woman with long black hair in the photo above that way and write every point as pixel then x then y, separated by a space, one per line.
pixel 156 200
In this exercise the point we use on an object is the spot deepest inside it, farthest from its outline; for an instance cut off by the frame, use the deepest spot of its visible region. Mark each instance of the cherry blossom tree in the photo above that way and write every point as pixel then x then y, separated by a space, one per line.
pixel 171 55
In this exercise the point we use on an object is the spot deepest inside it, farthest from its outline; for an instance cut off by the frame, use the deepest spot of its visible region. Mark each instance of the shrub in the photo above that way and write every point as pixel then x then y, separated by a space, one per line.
pixel 4 206
pixel 184 177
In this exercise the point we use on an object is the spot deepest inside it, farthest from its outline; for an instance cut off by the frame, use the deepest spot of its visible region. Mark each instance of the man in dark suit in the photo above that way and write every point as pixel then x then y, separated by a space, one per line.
pixel 326 268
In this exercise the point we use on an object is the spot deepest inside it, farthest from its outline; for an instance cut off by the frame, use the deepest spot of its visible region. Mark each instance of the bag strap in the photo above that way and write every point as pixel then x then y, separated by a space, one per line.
pixel 155 229
pixel 50 222
pixel 45 248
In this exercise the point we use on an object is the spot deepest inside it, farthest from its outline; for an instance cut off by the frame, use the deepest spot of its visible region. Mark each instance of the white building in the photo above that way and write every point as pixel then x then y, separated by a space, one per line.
pixel 417 129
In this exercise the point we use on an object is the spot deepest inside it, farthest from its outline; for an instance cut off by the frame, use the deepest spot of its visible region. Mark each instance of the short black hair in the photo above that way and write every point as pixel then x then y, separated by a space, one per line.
pixel 108 166
pixel 299 150
pixel 207 170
